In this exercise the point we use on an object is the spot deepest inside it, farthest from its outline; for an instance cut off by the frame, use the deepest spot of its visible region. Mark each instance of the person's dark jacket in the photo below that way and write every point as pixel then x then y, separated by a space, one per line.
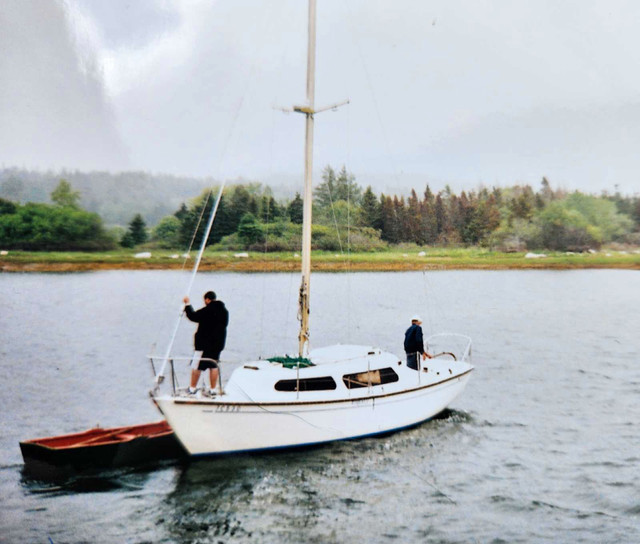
pixel 413 342
pixel 212 322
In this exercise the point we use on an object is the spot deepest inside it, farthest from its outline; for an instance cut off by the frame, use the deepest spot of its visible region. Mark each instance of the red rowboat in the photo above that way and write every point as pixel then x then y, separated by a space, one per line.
pixel 119 446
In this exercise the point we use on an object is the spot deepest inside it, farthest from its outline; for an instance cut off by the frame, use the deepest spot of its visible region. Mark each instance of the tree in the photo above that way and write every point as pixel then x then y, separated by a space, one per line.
pixel 194 221
pixel 269 209
pixel 249 231
pixel 346 187
pixel 46 227
pixel 428 220
pixel 167 232
pixel 240 203
pixel 546 193
pixel 414 220
pixel 566 229
pixel 369 213
pixel 325 193
pixel 182 212
pixel 137 233
pixel 523 203
pixel 295 209
pixel 442 217
pixel 7 207
pixel 127 240
pixel 336 187
pixel 391 225
pixel 64 195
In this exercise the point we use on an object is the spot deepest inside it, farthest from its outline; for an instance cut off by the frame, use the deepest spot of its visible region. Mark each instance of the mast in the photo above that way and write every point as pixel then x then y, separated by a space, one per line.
pixel 308 110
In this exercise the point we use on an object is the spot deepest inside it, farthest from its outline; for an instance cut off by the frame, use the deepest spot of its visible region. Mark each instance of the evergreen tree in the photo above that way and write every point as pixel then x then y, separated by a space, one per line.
pixel 393 219
pixel 240 203
pixel 295 209
pixel 269 209
pixel 197 217
pixel 249 230
pixel 413 231
pixel 182 212
pixel 522 205
pixel 325 193
pixel 137 233
pixel 369 212
pixel 546 193
pixel 442 217
pixel 464 219
pixel 335 187
pixel 389 220
pixel 428 221
pixel 127 240
pixel 346 187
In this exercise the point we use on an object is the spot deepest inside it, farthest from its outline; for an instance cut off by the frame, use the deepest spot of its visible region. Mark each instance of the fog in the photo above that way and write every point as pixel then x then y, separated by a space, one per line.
pixel 53 108
pixel 464 93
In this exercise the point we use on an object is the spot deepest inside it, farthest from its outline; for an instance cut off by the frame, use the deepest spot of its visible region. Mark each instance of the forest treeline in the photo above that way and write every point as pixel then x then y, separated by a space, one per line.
pixel 346 217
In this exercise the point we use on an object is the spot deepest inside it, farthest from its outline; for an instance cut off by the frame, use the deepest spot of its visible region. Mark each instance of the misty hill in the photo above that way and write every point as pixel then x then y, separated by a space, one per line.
pixel 116 197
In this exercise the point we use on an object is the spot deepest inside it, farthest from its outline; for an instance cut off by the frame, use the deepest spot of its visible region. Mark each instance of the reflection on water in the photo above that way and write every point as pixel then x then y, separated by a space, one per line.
pixel 303 494
pixel 37 477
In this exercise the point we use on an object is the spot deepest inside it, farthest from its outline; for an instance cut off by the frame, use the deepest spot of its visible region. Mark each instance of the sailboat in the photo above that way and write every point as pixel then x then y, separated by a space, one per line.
pixel 325 394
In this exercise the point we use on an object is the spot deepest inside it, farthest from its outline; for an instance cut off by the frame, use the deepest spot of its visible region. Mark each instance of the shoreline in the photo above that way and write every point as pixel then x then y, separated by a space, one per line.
pixel 293 265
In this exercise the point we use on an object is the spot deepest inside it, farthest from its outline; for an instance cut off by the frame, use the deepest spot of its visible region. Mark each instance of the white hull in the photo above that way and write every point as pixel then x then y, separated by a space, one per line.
pixel 235 423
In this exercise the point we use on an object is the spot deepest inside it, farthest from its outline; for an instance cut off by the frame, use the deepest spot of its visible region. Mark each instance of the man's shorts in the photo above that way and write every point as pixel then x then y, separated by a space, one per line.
pixel 198 357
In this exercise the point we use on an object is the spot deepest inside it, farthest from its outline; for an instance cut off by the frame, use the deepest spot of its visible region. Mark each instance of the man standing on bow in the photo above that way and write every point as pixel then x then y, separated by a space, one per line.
pixel 414 343
pixel 209 339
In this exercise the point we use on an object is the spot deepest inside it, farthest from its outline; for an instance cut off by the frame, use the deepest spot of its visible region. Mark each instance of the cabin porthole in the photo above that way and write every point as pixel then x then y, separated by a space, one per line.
pixel 325 383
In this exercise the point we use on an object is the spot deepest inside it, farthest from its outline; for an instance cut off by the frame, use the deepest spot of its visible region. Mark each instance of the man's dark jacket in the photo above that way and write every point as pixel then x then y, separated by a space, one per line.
pixel 413 342
pixel 212 322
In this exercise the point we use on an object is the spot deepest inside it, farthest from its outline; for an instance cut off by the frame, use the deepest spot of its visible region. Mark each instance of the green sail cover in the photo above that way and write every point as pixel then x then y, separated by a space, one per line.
pixel 291 362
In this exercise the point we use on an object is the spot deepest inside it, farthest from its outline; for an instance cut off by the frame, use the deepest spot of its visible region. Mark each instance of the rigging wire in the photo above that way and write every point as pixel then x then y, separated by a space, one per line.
pixel 266 239
pixel 348 161
pixel 195 231
pixel 223 155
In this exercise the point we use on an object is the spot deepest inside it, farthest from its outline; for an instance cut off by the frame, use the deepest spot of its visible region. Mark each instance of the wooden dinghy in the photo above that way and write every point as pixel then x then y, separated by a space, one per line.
pixel 98 447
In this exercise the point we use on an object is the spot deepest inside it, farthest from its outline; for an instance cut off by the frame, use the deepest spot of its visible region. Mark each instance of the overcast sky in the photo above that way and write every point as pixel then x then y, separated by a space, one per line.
pixel 463 92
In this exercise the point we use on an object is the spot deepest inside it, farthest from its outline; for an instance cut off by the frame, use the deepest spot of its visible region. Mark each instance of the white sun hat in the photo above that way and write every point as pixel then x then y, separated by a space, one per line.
pixel 416 317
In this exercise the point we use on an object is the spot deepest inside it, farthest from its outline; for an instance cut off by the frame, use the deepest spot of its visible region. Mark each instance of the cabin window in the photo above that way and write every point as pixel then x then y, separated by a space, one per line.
pixel 372 377
pixel 324 383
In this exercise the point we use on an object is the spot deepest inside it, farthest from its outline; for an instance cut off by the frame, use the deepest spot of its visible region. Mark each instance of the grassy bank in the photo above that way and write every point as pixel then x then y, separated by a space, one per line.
pixel 429 258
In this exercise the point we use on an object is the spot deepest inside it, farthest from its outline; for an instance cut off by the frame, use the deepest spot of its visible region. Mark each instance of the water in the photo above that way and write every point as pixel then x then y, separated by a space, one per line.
pixel 541 447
